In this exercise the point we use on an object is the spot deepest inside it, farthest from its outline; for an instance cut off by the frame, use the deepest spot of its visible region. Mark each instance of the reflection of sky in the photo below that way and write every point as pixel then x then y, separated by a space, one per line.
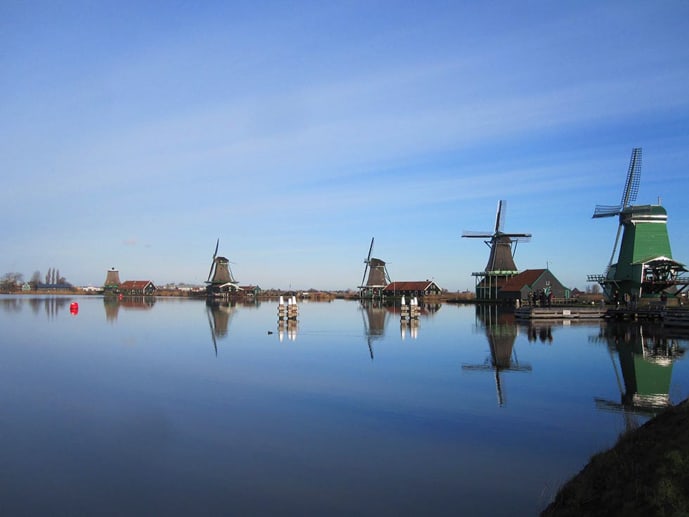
pixel 139 413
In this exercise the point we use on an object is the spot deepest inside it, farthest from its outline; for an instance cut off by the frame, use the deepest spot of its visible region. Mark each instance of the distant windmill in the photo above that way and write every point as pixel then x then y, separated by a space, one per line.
pixel 220 276
pixel 644 267
pixel 500 264
pixel 378 276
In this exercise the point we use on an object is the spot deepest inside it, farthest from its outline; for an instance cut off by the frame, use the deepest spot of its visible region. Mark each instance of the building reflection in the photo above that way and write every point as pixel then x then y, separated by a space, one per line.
pixel 113 304
pixel 643 370
pixel 219 316
pixel 501 333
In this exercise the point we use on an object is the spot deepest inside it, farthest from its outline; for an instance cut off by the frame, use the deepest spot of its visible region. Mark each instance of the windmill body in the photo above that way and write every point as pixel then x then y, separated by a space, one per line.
pixel 220 280
pixel 500 267
pixel 378 278
pixel 644 269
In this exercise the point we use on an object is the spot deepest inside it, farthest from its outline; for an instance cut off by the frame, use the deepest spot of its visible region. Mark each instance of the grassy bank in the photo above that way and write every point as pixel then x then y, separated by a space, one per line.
pixel 645 473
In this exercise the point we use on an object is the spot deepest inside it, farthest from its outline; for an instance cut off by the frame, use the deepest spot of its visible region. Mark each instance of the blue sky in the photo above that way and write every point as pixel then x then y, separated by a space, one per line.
pixel 135 134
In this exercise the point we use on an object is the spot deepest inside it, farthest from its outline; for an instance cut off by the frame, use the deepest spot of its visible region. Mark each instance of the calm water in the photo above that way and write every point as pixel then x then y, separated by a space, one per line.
pixel 172 407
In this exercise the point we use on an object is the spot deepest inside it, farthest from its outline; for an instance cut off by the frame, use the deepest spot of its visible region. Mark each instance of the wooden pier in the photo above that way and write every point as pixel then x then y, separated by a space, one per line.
pixel 670 317
pixel 560 313
pixel 677 318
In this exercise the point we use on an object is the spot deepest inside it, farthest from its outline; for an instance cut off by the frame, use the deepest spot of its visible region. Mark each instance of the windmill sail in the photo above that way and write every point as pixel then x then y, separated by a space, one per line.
pixel 501 243
pixel 630 191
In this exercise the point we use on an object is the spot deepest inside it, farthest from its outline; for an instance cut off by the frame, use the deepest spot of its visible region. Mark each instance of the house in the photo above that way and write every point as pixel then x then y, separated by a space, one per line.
pixel 249 290
pixel 137 288
pixel 520 286
pixel 419 288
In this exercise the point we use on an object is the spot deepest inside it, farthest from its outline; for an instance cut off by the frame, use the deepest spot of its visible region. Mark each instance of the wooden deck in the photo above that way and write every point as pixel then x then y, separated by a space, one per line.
pixel 670 317
pixel 560 312
pixel 677 318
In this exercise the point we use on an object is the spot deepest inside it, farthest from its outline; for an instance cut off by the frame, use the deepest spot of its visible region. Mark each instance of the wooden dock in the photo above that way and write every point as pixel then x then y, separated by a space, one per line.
pixel 560 313
pixel 668 316
pixel 677 318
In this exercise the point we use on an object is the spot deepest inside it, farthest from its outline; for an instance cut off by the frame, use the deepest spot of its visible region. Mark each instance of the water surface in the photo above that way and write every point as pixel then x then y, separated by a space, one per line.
pixel 170 406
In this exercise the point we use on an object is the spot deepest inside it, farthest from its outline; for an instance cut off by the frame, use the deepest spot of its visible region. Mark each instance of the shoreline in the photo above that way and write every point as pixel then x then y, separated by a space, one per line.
pixel 646 471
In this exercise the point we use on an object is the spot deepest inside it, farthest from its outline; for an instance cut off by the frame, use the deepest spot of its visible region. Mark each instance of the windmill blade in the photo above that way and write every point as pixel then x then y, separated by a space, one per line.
pixel 471 234
pixel 606 211
pixel 210 272
pixel 631 186
pixel 516 235
pixel 215 254
pixel 368 259
pixel 500 216
pixel 614 248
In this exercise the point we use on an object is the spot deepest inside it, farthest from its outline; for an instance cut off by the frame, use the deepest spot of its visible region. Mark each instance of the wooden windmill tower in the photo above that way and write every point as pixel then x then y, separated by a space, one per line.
pixel 501 264
pixel 644 267
pixel 220 279
pixel 378 276
pixel 112 281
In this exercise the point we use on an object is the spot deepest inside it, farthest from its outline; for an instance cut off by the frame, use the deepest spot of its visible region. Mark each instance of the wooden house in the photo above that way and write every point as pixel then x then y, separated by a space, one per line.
pixel 530 282
pixel 419 289
pixel 137 288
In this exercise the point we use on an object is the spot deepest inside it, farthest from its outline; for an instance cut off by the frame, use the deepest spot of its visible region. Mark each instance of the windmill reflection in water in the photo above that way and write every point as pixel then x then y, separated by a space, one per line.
pixel 646 355
pixel 219 316
pixel 501 332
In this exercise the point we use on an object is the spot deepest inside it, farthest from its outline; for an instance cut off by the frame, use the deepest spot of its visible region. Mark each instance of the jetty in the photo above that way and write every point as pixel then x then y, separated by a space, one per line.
pixel 560 312
pixel 670 317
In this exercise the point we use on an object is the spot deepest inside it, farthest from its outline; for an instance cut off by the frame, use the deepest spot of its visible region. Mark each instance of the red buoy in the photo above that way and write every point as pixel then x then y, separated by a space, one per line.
pixel 74 308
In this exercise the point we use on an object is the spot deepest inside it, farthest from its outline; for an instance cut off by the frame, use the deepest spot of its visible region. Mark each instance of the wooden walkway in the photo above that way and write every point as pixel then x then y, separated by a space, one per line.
pixel 562 312
pixel 677 318
pixel 670 317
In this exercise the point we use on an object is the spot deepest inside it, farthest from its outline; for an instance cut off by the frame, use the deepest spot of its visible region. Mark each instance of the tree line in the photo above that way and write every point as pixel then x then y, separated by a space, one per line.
pixel 13 281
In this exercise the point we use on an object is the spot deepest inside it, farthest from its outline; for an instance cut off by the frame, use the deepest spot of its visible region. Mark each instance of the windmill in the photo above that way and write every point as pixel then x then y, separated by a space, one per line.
pixel 220 277
pixel 500 264
pixel 644 267
pixel 378 276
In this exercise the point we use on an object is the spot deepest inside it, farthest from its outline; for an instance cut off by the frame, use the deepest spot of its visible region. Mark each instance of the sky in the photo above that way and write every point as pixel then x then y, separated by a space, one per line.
pixel 135 134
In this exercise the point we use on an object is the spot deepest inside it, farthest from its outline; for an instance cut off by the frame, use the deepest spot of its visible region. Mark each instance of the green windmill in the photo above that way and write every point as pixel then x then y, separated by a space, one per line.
pixel 644 268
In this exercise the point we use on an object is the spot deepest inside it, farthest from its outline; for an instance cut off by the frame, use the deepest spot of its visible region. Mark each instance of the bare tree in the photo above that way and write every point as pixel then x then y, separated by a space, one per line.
pixel 35 279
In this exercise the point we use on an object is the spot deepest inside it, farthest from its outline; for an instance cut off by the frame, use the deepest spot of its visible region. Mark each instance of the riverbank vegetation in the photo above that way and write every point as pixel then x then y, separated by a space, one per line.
pixel 645 473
